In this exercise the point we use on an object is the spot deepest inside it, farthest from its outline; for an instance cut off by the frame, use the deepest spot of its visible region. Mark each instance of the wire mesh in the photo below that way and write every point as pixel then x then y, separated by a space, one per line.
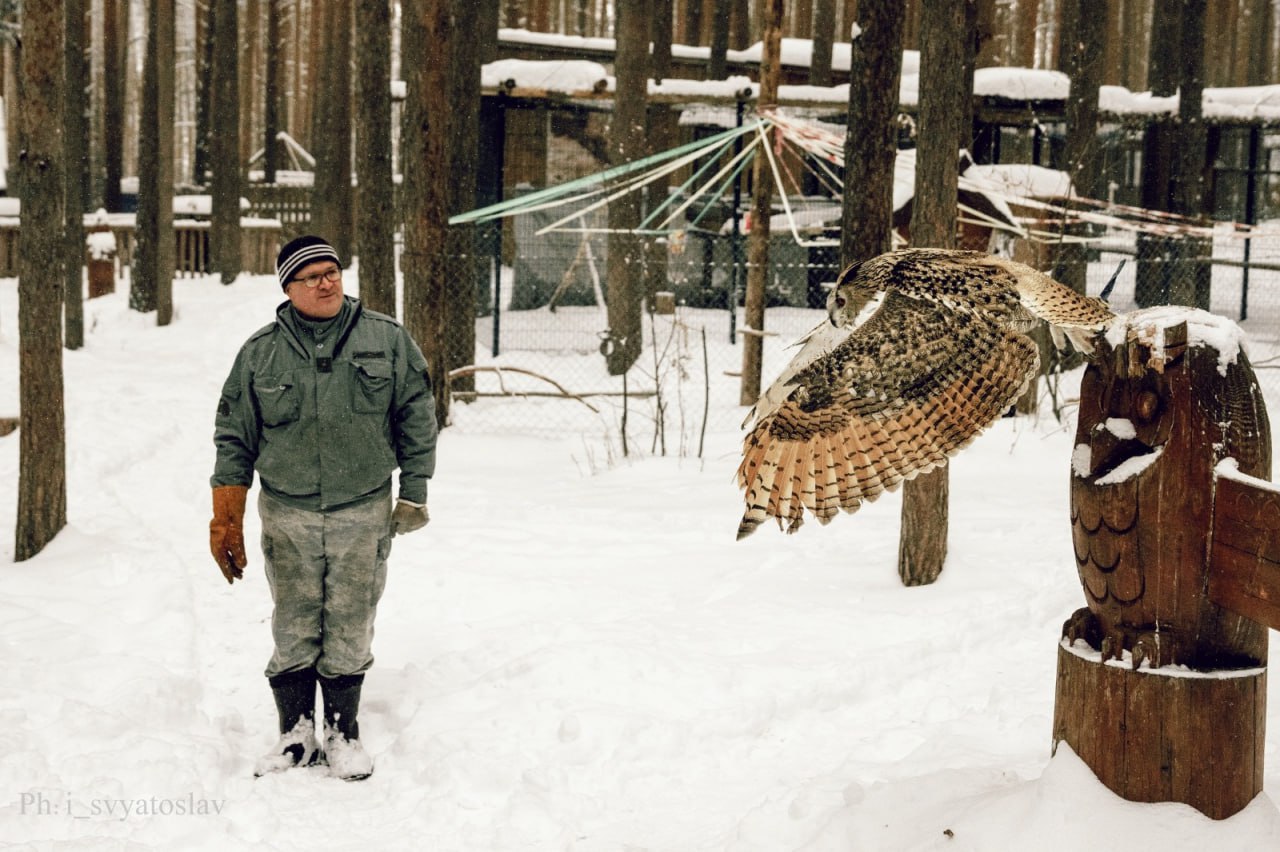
pixel 544 320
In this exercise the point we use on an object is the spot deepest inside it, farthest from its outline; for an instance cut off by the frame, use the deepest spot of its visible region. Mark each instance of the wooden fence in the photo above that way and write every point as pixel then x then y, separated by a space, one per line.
pixel 289 205
pixel 260 239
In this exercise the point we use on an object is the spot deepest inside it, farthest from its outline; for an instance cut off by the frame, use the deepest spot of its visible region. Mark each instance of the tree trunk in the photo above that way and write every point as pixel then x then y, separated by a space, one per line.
pixel 424 149
pixel 457 294
pixel 761 209
pixel 798 17
pixel 115 31
pixel 487 26
pixel 144 268
pixel 250 32
pixel 1192 162
pixel 922 546
pixel 1024 41
pixel 717 67
pixel 165 37
pixel 152 280
pixel 740 25
pixel 12 96
pixel 824 30
pixel 375 229
pixel 1081 51
pixel 627 135
pixel 691 31
pixel 332 198
pixel 660 64
pixel 224 143
pixel 1157 273
pixel 1113 47
pixel 42 480
pixel 871 145
pixel 76 158
pixel 271 113
pixel 204 92
pixel 1138 21
pixel 991 39
pixel 304 26
pixel 1259 22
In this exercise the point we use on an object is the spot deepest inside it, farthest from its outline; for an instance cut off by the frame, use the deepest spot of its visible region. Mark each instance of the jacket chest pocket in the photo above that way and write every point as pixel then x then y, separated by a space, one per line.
pixel 277 400
pixel 371 391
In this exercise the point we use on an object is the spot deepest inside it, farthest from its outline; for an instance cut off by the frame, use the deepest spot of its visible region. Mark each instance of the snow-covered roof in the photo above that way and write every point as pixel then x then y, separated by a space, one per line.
pixel 1022 180
pixel 977 189
pixel 575 77
pixel 796 52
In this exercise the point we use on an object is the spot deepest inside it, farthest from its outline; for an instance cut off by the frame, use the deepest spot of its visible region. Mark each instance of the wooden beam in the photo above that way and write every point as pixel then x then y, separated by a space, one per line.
pixel 1244 558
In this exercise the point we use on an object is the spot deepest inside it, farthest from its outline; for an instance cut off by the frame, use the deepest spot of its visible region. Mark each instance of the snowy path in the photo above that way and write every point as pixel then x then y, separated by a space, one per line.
pixel 568 658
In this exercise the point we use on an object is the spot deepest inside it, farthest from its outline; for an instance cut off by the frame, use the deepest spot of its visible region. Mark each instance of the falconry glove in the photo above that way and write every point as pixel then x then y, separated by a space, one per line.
pixel 408 517
pixel 226 530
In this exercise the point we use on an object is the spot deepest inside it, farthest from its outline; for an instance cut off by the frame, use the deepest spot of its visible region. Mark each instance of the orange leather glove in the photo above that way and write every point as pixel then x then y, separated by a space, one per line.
pixel 226 530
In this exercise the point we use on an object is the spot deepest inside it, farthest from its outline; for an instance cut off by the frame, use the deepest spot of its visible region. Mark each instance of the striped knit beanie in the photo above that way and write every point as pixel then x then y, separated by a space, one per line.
pixel 298 253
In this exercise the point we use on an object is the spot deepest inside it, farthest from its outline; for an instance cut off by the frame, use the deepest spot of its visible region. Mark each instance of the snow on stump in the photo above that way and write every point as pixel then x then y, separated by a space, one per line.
pixel 1161 686
pixel 100 248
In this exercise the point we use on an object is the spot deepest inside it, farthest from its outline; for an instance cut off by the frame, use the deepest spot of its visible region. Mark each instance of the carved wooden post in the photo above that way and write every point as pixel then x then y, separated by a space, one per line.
pixel 1162 677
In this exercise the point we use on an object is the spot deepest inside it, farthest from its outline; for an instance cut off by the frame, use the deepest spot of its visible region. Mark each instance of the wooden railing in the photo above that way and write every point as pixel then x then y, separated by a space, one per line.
pixel 289 205
pixel 259 241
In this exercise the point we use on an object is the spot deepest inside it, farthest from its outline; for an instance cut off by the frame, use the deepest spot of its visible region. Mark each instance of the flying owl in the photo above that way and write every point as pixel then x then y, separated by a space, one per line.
pixel 925 349
pixel 1169 395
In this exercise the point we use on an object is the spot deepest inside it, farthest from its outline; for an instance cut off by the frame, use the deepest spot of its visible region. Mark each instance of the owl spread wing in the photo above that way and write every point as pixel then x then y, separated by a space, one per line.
pixel 912 385
pixel 1068 313
pixel 1000 289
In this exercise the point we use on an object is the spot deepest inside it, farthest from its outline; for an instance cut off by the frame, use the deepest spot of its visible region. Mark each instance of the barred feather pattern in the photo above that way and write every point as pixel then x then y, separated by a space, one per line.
pixel 940 360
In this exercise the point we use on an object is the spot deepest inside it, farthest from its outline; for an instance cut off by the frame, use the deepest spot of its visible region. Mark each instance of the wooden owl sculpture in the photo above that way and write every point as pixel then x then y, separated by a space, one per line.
pixel 924 350
pixel 1168 395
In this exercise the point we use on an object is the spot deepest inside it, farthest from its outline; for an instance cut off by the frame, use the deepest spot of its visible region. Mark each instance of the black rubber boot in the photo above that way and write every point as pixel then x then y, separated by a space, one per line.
pixel 346 756
pixel 295 695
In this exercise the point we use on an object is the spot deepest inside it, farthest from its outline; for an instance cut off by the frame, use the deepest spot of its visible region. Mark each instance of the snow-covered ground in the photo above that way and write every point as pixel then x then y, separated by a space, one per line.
pixel 574 655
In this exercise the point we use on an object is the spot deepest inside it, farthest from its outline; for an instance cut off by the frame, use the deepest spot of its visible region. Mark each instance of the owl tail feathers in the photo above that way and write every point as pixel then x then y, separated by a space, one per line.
pixel 783 479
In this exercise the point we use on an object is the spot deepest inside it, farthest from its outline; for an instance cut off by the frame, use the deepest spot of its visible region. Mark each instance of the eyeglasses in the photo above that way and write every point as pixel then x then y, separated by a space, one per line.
pixel 331 275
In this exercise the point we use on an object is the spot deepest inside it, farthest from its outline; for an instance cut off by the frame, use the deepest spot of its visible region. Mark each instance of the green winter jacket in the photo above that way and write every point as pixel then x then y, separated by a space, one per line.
pixel 325 431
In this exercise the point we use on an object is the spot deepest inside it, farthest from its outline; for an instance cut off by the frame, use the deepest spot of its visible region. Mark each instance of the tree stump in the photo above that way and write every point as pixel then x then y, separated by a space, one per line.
pixel 1162 677
pixel 1166 734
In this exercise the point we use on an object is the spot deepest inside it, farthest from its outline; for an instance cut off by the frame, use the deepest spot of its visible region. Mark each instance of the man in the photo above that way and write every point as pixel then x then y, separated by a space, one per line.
pixel 325 403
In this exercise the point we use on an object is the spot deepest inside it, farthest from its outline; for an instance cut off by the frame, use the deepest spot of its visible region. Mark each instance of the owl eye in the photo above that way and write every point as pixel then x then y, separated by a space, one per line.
pixel 1147 406
pixel 840 301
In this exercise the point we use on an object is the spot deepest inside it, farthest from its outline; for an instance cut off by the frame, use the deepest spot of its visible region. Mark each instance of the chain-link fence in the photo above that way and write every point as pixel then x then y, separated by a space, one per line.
pixel 543 321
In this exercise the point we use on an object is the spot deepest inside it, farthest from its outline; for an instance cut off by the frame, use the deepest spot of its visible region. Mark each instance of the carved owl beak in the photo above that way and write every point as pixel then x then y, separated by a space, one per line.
pixel 1112 455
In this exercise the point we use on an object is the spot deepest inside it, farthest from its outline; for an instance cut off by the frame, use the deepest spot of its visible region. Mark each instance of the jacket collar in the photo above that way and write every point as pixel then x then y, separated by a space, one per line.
pixel 289 321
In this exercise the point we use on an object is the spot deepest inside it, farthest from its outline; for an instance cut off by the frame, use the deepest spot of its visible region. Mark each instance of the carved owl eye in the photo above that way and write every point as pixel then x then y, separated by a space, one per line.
pixel 1147 406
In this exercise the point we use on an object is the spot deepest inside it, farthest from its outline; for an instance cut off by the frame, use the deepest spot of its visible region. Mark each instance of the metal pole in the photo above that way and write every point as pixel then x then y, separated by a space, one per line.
pixel 498 225
pixel 734 250
pixel 1250 215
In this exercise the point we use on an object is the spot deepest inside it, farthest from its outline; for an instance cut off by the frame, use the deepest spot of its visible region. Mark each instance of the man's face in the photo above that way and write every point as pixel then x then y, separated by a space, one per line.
pixel 322 301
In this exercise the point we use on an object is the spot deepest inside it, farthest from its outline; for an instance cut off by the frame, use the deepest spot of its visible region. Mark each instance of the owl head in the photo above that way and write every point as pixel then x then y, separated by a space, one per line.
pixel 851 295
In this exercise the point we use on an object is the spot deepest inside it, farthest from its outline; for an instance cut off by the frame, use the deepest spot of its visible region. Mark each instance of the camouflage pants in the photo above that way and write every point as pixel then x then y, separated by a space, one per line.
pixel 326 571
